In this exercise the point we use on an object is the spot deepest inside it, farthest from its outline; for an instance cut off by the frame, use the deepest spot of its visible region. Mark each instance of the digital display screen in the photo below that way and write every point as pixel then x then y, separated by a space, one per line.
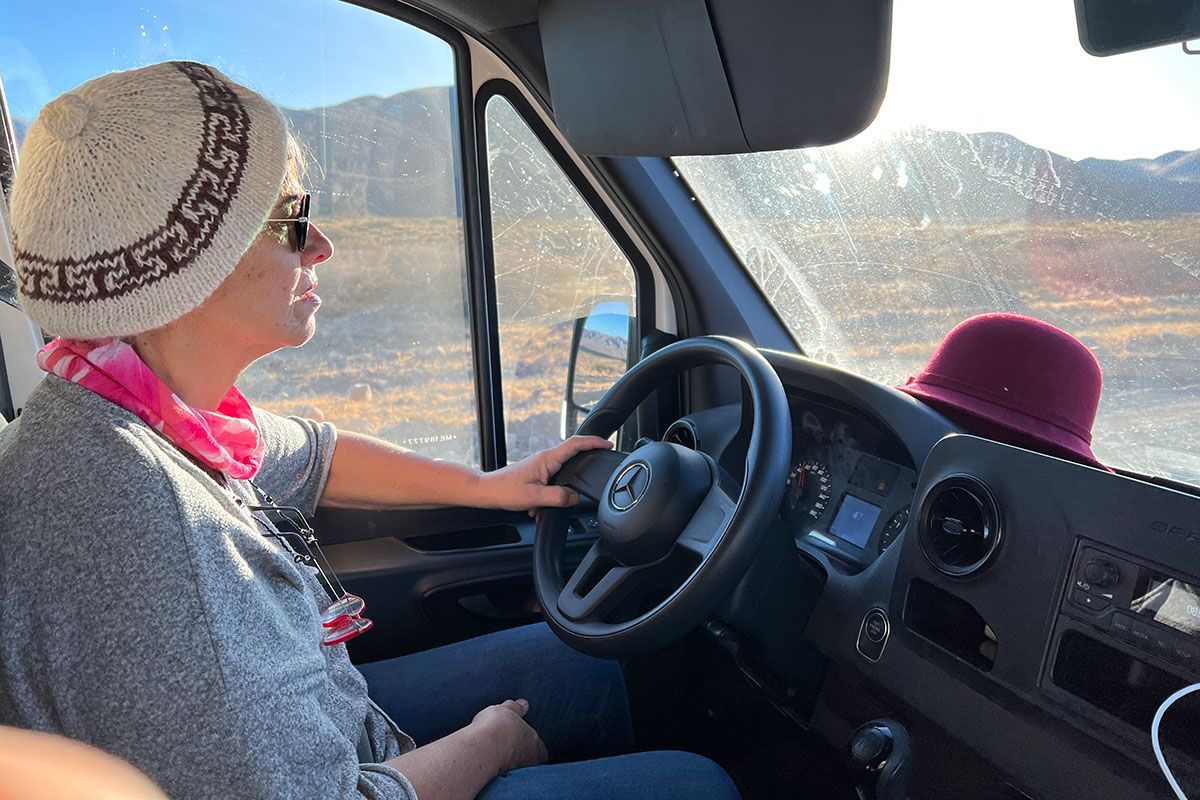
pixel 1169 601
pixel 875 475
pixel 854 521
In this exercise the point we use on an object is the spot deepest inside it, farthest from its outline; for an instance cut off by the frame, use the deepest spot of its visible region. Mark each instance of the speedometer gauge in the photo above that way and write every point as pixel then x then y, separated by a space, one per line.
pixel 809 488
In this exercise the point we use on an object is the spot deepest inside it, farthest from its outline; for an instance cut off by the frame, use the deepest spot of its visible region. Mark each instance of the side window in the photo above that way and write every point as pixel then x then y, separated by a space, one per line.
pixel 8 146
pixel 555 266
pixel 373 101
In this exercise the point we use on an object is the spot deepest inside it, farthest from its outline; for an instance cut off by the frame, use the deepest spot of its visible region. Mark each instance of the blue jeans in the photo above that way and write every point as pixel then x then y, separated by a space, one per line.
pixel 577 704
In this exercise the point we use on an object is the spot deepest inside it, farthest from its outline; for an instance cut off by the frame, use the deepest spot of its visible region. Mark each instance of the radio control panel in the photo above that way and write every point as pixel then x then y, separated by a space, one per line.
pixel 1150 608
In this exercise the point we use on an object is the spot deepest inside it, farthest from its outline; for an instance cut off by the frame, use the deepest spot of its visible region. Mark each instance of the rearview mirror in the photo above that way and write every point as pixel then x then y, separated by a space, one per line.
pixel 601 352
pixel 1108 27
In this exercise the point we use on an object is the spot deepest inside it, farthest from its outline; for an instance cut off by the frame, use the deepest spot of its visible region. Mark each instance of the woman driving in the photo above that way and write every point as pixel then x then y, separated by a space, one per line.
pixel 162 596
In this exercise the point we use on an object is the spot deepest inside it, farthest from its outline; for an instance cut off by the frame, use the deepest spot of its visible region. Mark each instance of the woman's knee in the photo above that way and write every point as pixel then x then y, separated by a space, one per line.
pixel 549 652
pixel 586 714
pixel 661 775
pixel 687 776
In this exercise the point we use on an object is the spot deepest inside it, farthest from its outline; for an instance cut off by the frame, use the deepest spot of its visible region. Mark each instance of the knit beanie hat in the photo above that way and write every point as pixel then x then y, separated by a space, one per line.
pixel 138 193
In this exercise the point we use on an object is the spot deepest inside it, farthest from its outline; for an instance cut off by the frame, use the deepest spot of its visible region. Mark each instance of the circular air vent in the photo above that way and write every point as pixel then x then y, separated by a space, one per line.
pixel 682 432
pixel 959 526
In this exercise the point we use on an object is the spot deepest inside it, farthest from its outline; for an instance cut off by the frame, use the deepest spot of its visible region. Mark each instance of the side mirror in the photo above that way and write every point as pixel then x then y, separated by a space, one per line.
pixel 601 352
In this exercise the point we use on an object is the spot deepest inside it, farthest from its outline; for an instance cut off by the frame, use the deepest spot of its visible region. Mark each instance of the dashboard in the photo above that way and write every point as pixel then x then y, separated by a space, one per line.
pixel 1022 615
pixel 850 488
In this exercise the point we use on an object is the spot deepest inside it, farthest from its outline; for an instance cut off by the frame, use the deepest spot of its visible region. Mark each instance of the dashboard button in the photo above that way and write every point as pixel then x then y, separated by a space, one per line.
pixel 1121 625
pixel 1162 642
pixel 1186 652
pixel 1091 602
pixel 893 528
pixel 873 634
pixel 1139 634
pixel 876 627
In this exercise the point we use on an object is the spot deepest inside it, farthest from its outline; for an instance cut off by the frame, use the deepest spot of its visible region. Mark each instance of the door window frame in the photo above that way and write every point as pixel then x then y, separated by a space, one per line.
pixel 643 276
pixel 485 365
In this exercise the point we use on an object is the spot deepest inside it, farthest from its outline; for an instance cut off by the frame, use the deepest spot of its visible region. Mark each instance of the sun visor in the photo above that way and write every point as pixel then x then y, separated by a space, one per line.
pixel 697 77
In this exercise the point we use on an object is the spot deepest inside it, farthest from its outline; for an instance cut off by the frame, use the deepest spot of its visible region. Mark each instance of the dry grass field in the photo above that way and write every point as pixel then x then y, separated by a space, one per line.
pixel 392 354
pixel 874 296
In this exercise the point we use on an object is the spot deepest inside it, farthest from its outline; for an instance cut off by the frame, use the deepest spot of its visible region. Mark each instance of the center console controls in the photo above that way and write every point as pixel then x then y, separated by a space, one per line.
pixel 1128 637
pixel 1064 601
pixel 1126 599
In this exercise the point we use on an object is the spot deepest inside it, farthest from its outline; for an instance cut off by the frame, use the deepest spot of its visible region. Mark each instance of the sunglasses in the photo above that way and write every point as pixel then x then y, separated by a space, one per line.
pixel 300 221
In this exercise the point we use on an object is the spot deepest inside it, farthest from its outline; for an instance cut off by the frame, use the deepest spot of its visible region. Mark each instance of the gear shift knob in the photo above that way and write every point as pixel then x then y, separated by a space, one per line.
pixel 880 753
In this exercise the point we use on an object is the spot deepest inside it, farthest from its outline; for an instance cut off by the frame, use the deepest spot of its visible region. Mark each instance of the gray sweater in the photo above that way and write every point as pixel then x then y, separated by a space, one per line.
pixel 142 611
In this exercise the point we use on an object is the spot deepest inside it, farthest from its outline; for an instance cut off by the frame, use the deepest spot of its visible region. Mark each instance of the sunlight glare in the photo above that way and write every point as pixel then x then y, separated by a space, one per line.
pixel 1018 68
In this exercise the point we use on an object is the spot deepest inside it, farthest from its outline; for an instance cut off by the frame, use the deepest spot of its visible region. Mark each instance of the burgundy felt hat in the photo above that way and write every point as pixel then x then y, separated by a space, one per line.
pixel 1018 380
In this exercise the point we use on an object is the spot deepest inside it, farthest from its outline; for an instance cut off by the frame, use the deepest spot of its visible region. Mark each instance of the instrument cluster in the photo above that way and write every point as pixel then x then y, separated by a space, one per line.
pixel 851 486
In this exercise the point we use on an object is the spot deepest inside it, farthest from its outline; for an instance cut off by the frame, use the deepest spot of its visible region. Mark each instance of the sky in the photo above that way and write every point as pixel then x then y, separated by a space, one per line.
pixel 300 53
pixel 1017 67
pixel 961 65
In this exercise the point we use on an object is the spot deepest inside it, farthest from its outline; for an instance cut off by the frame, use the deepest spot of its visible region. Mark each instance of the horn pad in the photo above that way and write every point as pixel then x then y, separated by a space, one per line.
pixel 650 499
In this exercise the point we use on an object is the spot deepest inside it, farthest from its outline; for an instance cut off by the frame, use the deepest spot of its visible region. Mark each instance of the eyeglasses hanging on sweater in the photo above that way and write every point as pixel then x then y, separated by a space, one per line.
pixel 342 619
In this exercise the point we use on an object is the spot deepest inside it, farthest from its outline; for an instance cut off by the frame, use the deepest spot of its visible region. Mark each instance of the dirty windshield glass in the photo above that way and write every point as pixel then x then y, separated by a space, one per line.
pixel 1007 171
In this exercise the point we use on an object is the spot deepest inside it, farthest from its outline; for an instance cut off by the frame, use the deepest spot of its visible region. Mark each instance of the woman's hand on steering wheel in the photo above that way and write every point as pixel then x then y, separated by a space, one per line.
pixel 525 485
pixel 664 510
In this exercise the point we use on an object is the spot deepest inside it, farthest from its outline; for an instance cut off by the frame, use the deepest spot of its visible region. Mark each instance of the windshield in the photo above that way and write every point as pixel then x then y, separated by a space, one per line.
pixel 1007 171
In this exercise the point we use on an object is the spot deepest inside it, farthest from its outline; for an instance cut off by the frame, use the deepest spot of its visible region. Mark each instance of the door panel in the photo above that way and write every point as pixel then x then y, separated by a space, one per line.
pixel 434 576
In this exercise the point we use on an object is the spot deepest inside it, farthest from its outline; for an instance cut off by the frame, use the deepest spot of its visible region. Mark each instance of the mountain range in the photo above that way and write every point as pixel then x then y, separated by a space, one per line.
pixel 927 174
pixel 393 156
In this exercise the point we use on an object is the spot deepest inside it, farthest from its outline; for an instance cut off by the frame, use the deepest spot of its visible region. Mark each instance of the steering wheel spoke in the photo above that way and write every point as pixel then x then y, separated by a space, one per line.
pixel 706 527
pixel 589 471
pixel 598 585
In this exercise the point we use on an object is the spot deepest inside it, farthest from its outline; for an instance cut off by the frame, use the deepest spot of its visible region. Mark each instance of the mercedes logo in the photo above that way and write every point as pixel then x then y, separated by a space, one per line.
pixel 630 486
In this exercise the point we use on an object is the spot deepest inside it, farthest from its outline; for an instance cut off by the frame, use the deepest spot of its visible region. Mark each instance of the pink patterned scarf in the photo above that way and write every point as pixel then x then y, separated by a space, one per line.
pixel 226 440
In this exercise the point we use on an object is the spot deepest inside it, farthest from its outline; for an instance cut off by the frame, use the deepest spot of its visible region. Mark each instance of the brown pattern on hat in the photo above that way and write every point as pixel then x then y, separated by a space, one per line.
pixel 191 223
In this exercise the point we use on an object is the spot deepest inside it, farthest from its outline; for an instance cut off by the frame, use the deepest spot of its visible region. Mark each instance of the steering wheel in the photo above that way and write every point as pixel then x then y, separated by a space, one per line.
pixel 664 510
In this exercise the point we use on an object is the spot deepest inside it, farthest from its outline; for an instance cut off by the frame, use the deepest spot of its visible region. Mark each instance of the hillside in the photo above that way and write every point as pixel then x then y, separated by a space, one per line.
pixel 870 252
pixel 928 174
pixel 389 156
pixel 392 156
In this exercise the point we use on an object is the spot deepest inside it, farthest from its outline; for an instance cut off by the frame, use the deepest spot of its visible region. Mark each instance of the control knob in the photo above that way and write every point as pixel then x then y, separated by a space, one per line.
pixel 881 756
pixel 1101 573
pixel 870 747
